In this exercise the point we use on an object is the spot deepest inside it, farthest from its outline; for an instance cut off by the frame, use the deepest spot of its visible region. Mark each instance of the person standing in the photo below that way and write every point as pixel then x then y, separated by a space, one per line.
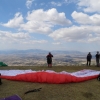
pixel 89 57
pixel 49 59
pixel 97 59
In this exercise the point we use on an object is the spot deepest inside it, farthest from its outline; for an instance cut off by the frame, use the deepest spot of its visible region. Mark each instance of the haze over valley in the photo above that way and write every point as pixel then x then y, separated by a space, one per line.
pixel 37 57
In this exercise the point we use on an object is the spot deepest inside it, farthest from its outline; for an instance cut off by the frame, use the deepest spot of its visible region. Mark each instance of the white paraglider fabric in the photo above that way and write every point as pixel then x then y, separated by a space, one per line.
pixel 49 76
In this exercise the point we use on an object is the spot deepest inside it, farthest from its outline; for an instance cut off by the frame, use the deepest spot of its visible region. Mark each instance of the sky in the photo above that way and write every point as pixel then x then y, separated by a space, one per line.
pixel 50 25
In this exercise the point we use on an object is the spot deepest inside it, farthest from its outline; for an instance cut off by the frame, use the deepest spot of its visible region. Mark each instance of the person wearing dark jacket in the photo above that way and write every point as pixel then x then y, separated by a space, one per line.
pixel 49 59
pixel 89 57
pixel 97 59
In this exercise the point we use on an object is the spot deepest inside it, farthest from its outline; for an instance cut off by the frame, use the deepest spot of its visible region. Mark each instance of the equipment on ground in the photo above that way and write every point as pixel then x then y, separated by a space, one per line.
pixel 2 64
pixel 13 97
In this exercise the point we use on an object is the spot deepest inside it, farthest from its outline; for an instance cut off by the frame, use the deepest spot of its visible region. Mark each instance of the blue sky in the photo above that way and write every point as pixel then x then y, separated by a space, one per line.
pixel 50 25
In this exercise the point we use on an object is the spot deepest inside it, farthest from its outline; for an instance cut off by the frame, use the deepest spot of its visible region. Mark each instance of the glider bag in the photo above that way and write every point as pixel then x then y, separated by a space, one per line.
pixel 14 97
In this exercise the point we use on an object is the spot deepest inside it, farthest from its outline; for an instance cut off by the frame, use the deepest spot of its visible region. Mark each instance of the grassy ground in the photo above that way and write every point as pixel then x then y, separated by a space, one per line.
pixel 88 90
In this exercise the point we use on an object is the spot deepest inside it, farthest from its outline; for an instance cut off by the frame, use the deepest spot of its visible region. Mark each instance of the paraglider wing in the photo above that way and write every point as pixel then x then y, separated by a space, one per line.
pixel 50 76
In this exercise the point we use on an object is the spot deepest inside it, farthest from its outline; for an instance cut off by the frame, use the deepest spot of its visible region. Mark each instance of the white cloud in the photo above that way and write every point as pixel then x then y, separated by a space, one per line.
pixel 60 3
pixel 49 16
pixel 30 42
pixel 86 24
pixel 15 22
pixel 41 21
pixel 18 38
pixel 70 1
pixel 83 18
pixel 57 43
pixel 29 3
pixel 90 5
pixel 56 3
pixel 36 27
pixel 77 34
pixel 13 37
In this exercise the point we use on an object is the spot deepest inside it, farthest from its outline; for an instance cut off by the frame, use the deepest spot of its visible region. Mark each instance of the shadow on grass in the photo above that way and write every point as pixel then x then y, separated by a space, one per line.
pixel 87 95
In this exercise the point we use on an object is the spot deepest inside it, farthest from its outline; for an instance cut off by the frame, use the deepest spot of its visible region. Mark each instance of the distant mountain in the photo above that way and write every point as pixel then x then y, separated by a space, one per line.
pixel 22 51
pixel 68 52
pixel 39 51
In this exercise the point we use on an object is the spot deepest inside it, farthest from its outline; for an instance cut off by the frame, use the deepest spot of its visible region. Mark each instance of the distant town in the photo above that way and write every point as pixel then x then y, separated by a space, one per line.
pixel 36 57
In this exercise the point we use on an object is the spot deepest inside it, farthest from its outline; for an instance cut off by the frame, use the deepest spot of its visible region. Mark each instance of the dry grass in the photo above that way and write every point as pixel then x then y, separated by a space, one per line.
pixel 88 90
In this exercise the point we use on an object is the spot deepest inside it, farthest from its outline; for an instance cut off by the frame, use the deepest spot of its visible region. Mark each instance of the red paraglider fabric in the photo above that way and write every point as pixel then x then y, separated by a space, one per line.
pixel 51 76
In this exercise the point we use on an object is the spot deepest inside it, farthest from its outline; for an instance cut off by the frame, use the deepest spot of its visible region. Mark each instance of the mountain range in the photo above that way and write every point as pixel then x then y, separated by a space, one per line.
pixel 35 51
